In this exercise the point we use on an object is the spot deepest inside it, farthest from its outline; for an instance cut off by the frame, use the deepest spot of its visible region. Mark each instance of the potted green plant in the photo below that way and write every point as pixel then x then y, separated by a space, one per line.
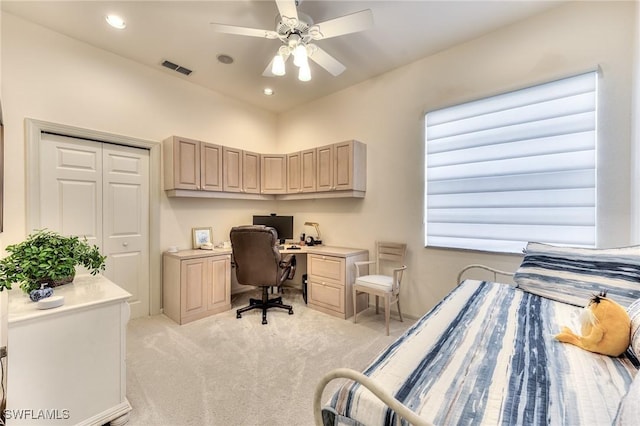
pixel 47 257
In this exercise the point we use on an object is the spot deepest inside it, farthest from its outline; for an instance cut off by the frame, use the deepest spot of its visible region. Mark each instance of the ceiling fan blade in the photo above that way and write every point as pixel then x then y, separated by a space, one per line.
pixel 326 61
pixel 287 8
pixel 358 21
pixel 245 31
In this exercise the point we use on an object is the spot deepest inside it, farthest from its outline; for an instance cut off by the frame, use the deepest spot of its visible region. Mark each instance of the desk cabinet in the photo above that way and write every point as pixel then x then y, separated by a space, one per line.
pixel 196 284
pixel 331 279
pixel 69 360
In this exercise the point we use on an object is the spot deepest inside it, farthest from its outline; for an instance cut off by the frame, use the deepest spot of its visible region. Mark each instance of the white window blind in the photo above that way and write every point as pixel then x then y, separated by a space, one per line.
pixel 513 168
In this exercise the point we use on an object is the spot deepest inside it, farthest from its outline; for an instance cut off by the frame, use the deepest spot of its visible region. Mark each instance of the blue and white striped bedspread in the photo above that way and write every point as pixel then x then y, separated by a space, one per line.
pixel 486 355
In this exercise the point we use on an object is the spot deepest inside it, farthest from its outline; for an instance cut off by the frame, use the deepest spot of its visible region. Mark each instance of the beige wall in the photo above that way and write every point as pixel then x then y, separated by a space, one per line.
pixel 50 77
pixel 388 114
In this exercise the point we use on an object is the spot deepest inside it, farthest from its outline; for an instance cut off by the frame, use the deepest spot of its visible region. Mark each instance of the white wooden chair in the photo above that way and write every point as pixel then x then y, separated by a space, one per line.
pixel 385 279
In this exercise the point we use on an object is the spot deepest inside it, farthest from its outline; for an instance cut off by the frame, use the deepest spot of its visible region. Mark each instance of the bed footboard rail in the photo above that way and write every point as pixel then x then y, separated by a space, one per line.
pixel 495 271
pixel 346 373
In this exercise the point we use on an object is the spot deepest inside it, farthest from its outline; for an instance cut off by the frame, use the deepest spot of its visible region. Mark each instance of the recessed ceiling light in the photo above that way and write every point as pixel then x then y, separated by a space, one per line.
pixel 116 22
pixel 224 59
pixel 268 91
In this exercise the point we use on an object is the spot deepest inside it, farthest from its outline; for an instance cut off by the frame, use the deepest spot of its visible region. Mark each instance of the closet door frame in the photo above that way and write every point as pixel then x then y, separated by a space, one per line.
pixel 33 131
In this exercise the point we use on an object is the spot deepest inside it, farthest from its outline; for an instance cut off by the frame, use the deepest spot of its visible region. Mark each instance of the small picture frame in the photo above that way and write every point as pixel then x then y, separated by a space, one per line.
pixel 202 236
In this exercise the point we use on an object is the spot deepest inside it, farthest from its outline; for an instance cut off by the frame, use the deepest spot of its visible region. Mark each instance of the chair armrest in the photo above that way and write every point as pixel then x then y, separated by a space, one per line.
pixel 288 260
pixel 362 263
pixel 397 274
pixel 496 272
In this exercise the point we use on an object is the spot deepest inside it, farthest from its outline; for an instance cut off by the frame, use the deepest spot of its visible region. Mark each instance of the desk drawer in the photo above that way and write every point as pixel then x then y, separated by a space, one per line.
pixel 329 267
pixel 326 294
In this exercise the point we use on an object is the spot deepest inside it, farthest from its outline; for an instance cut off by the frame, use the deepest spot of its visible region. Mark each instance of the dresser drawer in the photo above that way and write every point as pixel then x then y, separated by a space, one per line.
pixel 327 267
pixel 326 295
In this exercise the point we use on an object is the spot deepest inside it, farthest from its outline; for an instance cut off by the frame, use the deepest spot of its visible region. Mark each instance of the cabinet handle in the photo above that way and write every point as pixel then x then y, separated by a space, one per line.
pixel 125 244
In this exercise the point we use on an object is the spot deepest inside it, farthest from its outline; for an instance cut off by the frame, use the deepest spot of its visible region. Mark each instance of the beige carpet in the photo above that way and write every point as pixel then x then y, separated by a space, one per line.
pixel 227 371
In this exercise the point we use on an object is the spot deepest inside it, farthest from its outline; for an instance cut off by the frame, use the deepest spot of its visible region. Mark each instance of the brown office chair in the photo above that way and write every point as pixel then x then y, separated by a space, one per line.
pixel 258 263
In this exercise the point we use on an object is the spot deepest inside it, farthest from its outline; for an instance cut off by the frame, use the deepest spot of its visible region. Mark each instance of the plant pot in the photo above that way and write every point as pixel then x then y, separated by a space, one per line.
pixel 58 282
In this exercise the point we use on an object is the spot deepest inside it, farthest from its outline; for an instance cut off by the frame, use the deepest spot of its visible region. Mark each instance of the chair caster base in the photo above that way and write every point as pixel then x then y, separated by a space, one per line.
pixel 290 311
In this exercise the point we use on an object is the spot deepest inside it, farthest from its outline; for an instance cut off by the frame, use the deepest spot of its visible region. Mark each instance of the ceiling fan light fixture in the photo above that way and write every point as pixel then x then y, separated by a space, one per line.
pixel 304 74
pixel 300 56
pixel 277 67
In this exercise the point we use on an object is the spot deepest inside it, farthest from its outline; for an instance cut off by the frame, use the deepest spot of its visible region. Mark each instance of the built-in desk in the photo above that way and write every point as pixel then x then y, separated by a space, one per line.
pixel 197 283
pixel 330 275
pixel 66 365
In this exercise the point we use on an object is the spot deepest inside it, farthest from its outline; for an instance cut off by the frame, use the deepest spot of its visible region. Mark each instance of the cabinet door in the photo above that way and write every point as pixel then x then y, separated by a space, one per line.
pixel 343 172
pixel 193 291
pixel 219 296
pixel 232 169
pixel 324 180
pixel 350 166
pixel 251 172
pixel 273 173
pixel 327 268
pixel 308 171
pixel 326 294
pixel 182 163
pixel 210 167
pixel 294 173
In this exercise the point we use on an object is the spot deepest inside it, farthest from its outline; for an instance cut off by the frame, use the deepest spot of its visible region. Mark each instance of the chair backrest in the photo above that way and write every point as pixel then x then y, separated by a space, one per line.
pixel 390 256
pixel 256 255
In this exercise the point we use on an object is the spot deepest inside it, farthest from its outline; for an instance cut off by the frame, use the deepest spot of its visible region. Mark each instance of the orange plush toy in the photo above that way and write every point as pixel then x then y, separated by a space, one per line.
pixel 606 328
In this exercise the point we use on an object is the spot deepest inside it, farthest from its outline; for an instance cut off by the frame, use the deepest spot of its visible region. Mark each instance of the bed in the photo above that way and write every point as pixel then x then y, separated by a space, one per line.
pixel 486 354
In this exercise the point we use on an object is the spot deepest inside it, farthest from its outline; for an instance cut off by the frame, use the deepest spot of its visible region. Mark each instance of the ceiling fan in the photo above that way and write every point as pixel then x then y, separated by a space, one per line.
pixel 297 32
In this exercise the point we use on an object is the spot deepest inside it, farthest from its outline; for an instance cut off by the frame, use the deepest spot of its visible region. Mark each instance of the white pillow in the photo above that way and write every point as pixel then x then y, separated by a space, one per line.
pixel 574 275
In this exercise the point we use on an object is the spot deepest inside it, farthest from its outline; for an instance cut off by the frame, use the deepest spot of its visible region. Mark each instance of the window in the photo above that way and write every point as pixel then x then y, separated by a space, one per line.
pixel 512 168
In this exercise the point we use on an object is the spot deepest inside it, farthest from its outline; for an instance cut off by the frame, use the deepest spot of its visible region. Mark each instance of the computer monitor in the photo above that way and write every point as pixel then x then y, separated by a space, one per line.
pixel 282 224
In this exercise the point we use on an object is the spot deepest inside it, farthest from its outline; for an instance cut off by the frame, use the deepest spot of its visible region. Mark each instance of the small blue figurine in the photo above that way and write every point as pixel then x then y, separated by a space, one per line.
pixel 40 293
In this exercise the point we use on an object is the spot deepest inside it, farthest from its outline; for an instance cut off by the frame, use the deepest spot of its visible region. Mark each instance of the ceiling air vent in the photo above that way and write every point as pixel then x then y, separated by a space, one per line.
pixel 176 67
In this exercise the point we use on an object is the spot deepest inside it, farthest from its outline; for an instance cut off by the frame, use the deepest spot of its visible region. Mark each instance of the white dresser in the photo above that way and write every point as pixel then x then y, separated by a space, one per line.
pixel 66 365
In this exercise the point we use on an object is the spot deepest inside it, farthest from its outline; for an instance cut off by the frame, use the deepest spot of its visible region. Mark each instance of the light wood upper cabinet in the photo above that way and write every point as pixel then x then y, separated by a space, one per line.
pixel 342 166
pixel 301 171
pixel 181 163
pixel 231 169
pixel 273 173
pixel 199 169
pixel 294 173
pixel 250 172
pixel 308 173
pixel 210 167
pixel 192 165
pixel 324 171
pixel 350 166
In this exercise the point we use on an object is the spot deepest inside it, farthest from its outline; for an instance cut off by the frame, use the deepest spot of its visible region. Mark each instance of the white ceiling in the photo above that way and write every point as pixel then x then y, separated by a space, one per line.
pixel 179 31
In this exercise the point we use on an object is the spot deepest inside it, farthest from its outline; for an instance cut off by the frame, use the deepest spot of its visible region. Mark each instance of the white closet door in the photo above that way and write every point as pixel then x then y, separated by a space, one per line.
pixel 126 222
pixel 71 187
pixel 101 191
